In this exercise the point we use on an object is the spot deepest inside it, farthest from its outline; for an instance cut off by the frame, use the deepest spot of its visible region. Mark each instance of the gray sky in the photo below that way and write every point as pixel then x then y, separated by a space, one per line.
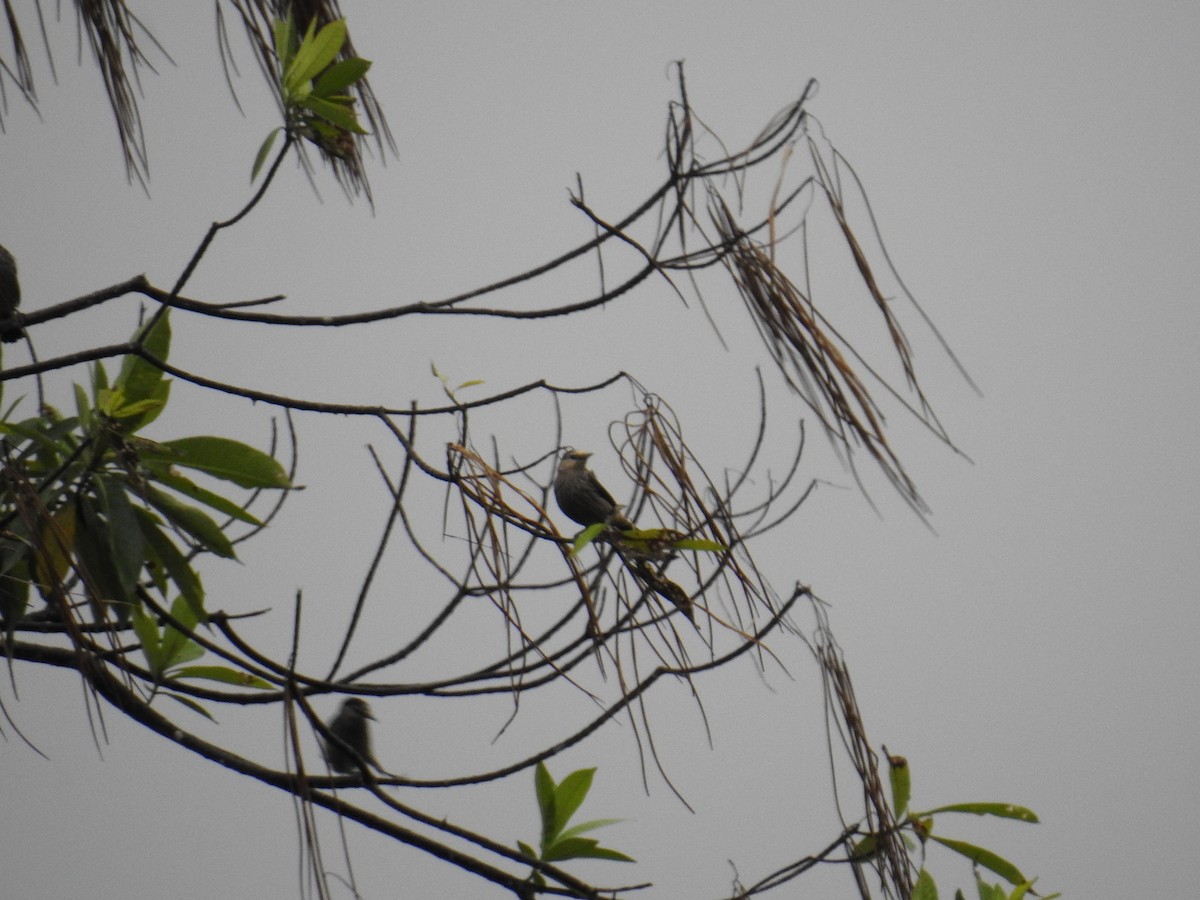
pixel 1033 168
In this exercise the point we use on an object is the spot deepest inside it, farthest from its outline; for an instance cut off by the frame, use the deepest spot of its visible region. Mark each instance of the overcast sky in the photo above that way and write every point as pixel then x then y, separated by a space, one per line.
pixel 1034 170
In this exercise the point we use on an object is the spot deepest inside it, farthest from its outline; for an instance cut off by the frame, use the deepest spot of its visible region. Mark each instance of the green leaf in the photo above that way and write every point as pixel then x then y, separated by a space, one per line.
pixel 180 652
pixel 284 32
pixel 298 94
pixel 543 784
pixel 108 400
pixel 315 53
pixel 865 848
pixel 192 521
pixel 925 888
pixel 57 539
pixel 99 379
pixel 649 535
pixel 581 848
pixel 93 550
pixel 289 84
pixel 586 536
pixel 340 76
pixel 163 552
pixel 570 848
pixel 147 409
pixel 14 586
pixel 583 827
pixel 178 647
pixel 51 437
pixel 569 796
pixel 340 115
pixel 557 803
pixel 223 674
pixel 527 850
pixel 983 857
pixel 147 632
pixel 14 550
pixel 1002 810
pixel 165 476
pixel 989 891
pixel 138 379
pixel 228 460
pixel 138 414
pixel 83 407
pixel 183 613
pixel 191 704
pixel 124 533
pixel 699 544
pixel 263 152
pixel 901 783
pixel 607 853
pixel 12 409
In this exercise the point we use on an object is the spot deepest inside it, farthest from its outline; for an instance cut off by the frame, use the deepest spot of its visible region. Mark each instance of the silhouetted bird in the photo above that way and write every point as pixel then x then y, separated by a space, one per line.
pixel 350 725
pixel 10 298
pixel 581 496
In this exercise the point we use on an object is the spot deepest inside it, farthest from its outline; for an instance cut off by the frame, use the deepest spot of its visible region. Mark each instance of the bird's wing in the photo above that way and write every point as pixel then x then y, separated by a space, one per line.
pixel 600 489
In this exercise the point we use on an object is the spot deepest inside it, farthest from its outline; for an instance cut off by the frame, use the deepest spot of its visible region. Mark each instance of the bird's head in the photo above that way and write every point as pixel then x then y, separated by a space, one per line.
pixel 357 706
pixel 574 459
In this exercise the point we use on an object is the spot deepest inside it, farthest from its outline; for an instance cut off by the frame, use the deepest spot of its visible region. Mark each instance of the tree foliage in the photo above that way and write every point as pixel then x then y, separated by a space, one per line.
pixel 106 524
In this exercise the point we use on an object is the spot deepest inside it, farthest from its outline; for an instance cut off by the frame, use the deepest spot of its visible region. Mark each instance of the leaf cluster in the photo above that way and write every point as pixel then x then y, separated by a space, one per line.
pixel 168 650
pixel 557 803
pixel 920 825
pixel 85 500
pixel 315 89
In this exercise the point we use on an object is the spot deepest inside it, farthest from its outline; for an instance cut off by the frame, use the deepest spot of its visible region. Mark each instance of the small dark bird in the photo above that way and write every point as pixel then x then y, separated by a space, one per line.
pixel 582 497
pixel 10 298
pixel 350 725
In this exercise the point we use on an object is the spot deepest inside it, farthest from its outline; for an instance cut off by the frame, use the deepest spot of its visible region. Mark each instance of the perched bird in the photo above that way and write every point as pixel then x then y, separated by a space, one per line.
pixel 583 499
pixel 581 496
pixel 350 726
pixel 10 297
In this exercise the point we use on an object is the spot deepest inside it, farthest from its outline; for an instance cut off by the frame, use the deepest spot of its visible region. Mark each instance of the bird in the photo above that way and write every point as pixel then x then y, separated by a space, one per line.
pixel 583 500
pixel 351 728
pixel 582 497
pixel 10 298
